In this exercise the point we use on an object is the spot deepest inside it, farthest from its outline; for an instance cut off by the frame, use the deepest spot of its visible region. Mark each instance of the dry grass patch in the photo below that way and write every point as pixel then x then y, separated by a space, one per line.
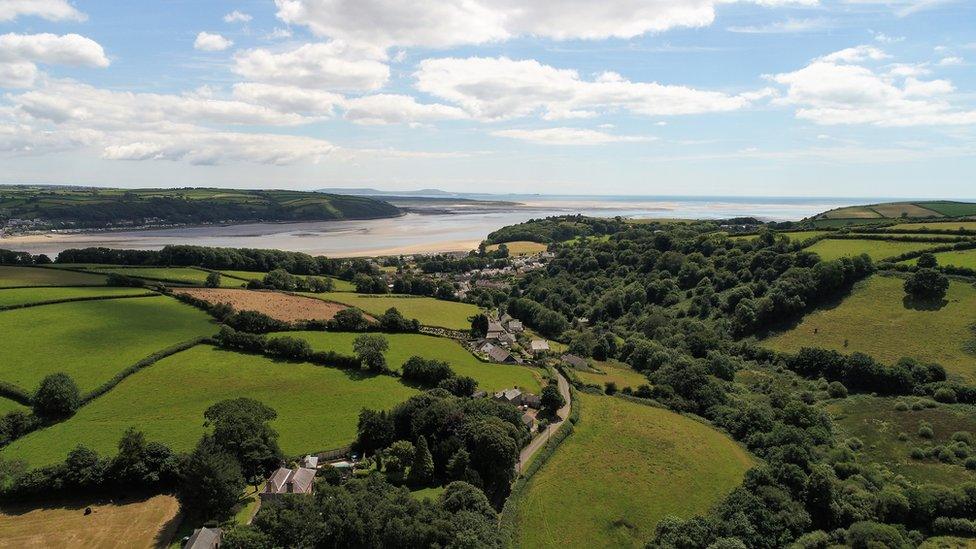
pixel 145 523
pixel 285 307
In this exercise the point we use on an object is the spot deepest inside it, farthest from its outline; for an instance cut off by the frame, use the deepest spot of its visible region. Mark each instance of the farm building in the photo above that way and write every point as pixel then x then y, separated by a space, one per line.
pixel 289 481
pixel 515 326
pixel 539 346
pixel 577 362
pixel 495 329
pixel 500 355
pixel 510 396
pixel 532 400
pixel 310 462
pixel 204 538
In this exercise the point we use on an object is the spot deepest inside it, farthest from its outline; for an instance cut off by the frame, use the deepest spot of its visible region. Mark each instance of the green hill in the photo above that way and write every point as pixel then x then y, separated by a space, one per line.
pixel 40 207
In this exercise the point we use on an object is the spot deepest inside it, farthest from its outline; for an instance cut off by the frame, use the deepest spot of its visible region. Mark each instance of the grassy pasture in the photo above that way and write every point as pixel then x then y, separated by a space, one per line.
pixel 795 236
pixel 130 523
pixel 940 225
pixel 617 372
pixel 875 320
pixel 180 275
pixel 950 208
pixel 948 542
pixel 7 405
pixel 831 249
pixel 958 258
pixel 521 247
pixel 317 407
pixel 625 468
pixel 429 311
pixel 35 276
pixel 92 340
pixel 21 296
pixel 491 377
pixel 339 285
pixel 877 424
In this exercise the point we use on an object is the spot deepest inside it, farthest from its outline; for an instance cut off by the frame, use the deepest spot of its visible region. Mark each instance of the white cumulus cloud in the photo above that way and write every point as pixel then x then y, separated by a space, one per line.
pixel 446 23
pixel 330 65
pixel 395 109
pixel 209 41
pixel 52 10
pixel 19 54
pixel 289 98
pixel 568 136
pixel 501 88
pixel 237 17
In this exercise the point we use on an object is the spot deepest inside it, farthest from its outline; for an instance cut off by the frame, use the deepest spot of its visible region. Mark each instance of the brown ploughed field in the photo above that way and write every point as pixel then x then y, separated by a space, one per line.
pixel 277 305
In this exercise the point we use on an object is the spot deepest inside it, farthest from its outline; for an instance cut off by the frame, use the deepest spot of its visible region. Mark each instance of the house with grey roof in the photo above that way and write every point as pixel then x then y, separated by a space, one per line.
pixel 510 396
pixel 577 362
pixel 498 354
pixel 289 481
pixel 539 346
pixel 515 326
pixel 204 538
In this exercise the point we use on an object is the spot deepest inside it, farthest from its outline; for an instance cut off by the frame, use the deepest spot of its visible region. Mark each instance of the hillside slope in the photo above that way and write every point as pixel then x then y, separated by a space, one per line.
pixel 38 207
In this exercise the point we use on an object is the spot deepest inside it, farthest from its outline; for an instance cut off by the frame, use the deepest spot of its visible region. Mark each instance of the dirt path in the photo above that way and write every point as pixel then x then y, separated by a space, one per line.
pixel 540 441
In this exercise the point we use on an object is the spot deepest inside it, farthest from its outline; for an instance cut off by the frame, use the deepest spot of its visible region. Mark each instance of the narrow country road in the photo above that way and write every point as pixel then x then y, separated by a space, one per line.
pixel 540 440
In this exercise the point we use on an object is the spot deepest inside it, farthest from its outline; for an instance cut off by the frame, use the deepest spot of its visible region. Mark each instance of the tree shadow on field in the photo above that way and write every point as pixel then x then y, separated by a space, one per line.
pixel 924 304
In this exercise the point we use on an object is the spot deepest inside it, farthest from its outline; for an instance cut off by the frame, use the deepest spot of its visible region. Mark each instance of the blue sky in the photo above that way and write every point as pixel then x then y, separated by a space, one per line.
pixel 682 97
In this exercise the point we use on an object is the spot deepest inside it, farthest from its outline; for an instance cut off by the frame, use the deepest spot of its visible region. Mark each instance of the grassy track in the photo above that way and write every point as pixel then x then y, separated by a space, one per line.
pixel 625 468
pixel 33 276
pixel 877 423
pixel 339 285
pixel 317 407
pixel 92 340
pixel 491 377
pixel 429 311
pixel 831 249
pixel 875 320
pixel 521 247
pixel 144 523
pixel 617 372
pixel 21 296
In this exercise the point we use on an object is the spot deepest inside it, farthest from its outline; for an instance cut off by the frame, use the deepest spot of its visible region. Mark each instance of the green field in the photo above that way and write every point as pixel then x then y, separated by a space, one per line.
pixel 339 285
pixel 20 296
pixel 960 258
pixel 181 275
pixel 831 249
pixel 11 277
pixel 852 212
pixel 625 468
pixel 951 209
pixel 7 405
pixel 317 407
pixel 875 320
pixel 491 377
pixel 876 423
pixel 942 226
pixel 617 372
pixel 92 340
pixel 795 236
pixel 429 311
pixel 521 247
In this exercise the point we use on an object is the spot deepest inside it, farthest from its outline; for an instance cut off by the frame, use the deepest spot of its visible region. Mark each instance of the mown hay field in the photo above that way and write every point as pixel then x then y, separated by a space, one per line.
pixel 92 340
pixel 617 372
pixel 521 247
pixel 831 249
pixel 129 523
pixel 318 407
pixel 11 277
pixel 625 468
pixel 429 311
pixel 879 426
pixel 244 276
pixel 282 306
pixel 876 320
pixel 22 296
pixel 491 377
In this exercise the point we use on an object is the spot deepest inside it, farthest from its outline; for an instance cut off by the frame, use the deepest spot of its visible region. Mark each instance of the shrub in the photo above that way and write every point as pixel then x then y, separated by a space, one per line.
pixel 971 464
pixel 288 347
pixel 836 389
pixel 255 322
pixel 945 395
pixel 903 436
pixel 57 397
pixel 925 431
pixel 213 280
pixel 460 386
pixel 610 388
pixel 901 407
pixel 426 372
pixel 918 453
pixel 927 284
pixel 349 320
pixel 963 436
